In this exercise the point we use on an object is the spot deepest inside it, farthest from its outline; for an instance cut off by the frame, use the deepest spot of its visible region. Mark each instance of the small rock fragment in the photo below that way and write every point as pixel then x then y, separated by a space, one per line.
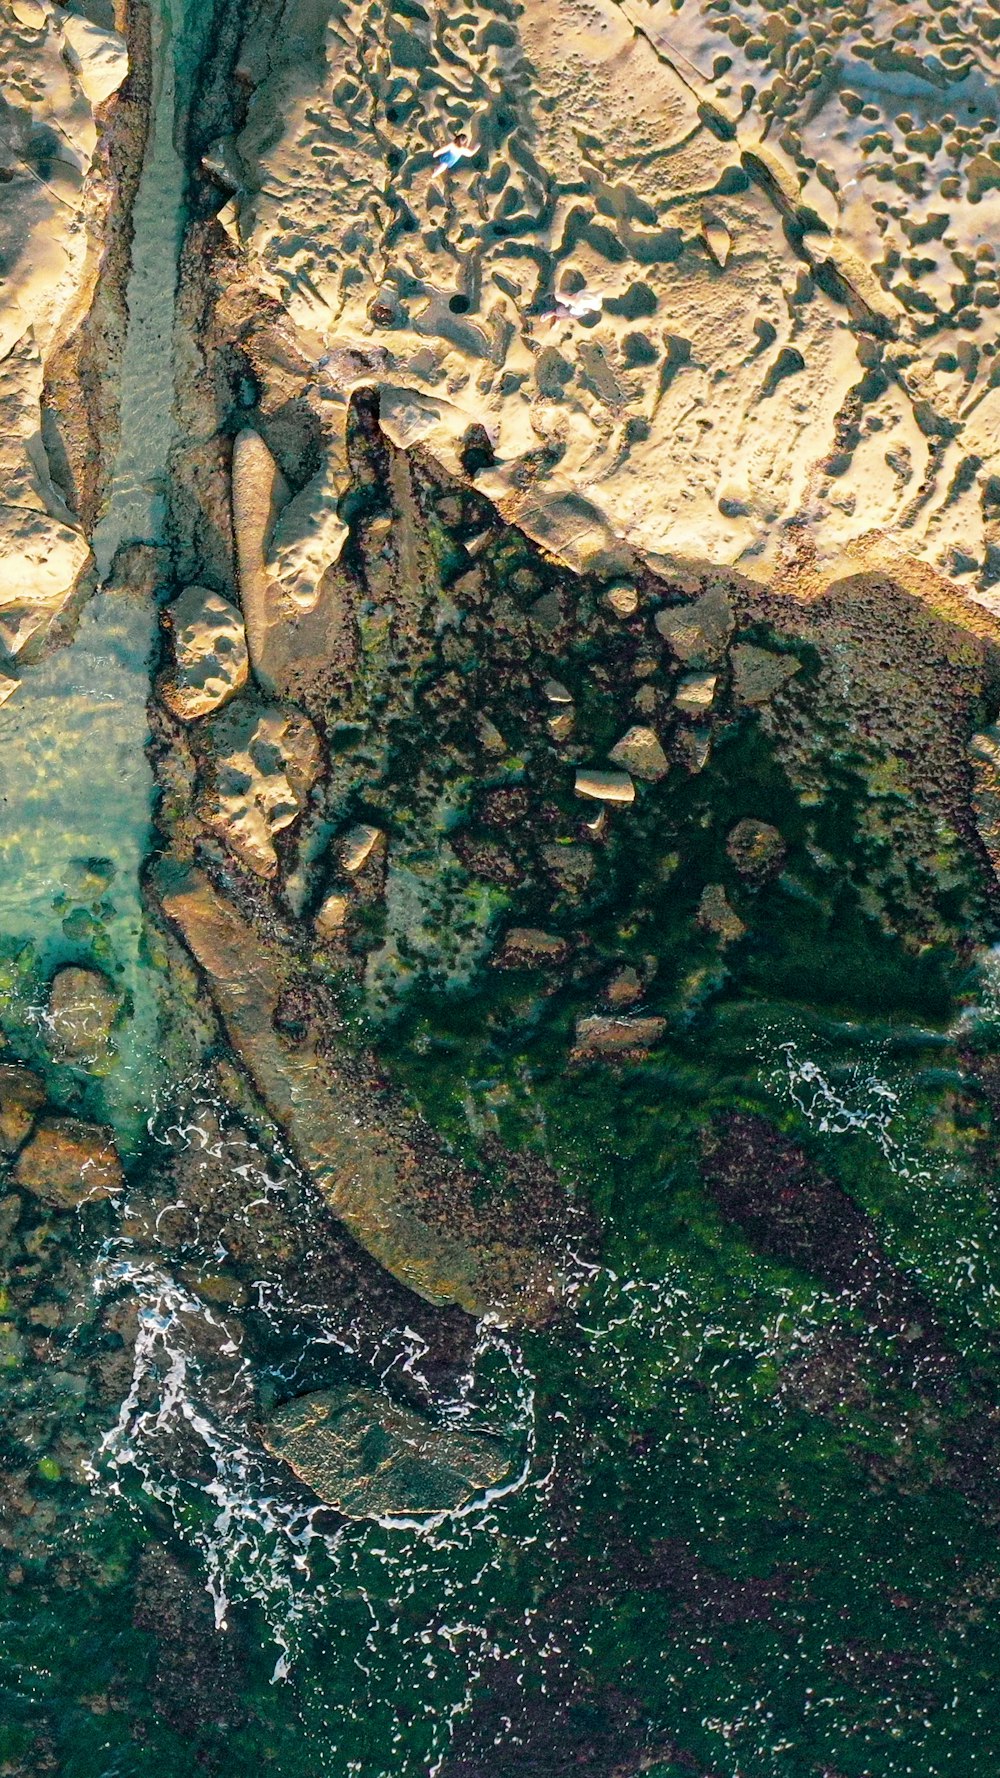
pixel 756 848
pixel 624 989
pixel 607 787
pixel 622 598
pixel 490 736
pixel 695 694
pixel 561 727
pixel 571 866
pixel 692 748
pixel 699 633
pixel 68 1162
pixel 546 612
pixel 331 917
pixel 640 752
pixel 524 946
pixel 211 662
pixel 358 847
pixel 556 692
pixel 22 1094
pixel 758 673
pixel 715 915
pixel 8 687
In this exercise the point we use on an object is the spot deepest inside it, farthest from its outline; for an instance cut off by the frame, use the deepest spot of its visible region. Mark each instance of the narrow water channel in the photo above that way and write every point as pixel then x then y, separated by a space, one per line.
pixel 76 788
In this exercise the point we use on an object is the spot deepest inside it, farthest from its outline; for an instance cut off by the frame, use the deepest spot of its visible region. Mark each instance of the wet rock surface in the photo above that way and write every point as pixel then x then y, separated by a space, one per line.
pixel 66 1163
pixel 82 1010
pixel 368 1457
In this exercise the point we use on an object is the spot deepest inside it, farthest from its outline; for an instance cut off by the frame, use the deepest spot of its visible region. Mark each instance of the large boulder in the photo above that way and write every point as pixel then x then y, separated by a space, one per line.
pixel 367 1456
pixel 415 1208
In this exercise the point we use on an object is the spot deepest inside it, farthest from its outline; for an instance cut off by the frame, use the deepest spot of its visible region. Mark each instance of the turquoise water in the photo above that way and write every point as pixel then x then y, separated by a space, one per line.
pixel 76 792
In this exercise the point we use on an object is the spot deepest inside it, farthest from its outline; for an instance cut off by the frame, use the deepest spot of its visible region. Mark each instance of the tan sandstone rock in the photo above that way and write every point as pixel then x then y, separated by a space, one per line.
pixel 211 660
pixel 640 752
pixel 605 787
pixel 263 765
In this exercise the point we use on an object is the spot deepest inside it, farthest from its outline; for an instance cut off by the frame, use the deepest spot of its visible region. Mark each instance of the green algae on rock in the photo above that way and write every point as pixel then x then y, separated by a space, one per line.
pixel 401 1195
pixel 369 1457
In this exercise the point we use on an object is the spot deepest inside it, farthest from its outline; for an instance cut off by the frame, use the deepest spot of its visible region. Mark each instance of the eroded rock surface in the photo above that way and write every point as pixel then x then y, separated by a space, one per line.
pixel 54 198
pixel 211 662
pixel 262 763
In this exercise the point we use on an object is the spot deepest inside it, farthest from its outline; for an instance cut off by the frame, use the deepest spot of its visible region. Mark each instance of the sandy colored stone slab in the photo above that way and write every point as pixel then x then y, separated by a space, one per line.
pixel 605 787
pixel 640 752
pixel 696 694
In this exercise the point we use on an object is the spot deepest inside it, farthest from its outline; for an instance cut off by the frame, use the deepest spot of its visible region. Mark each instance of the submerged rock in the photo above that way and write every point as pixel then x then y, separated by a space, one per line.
pixel 601 1035
pixel 367 1456
pixel 756 848
pixel 67 1162
pixel 715 915
pixel 211 662
pixel 22 1094
pixel 524 947
pixel 83 1007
